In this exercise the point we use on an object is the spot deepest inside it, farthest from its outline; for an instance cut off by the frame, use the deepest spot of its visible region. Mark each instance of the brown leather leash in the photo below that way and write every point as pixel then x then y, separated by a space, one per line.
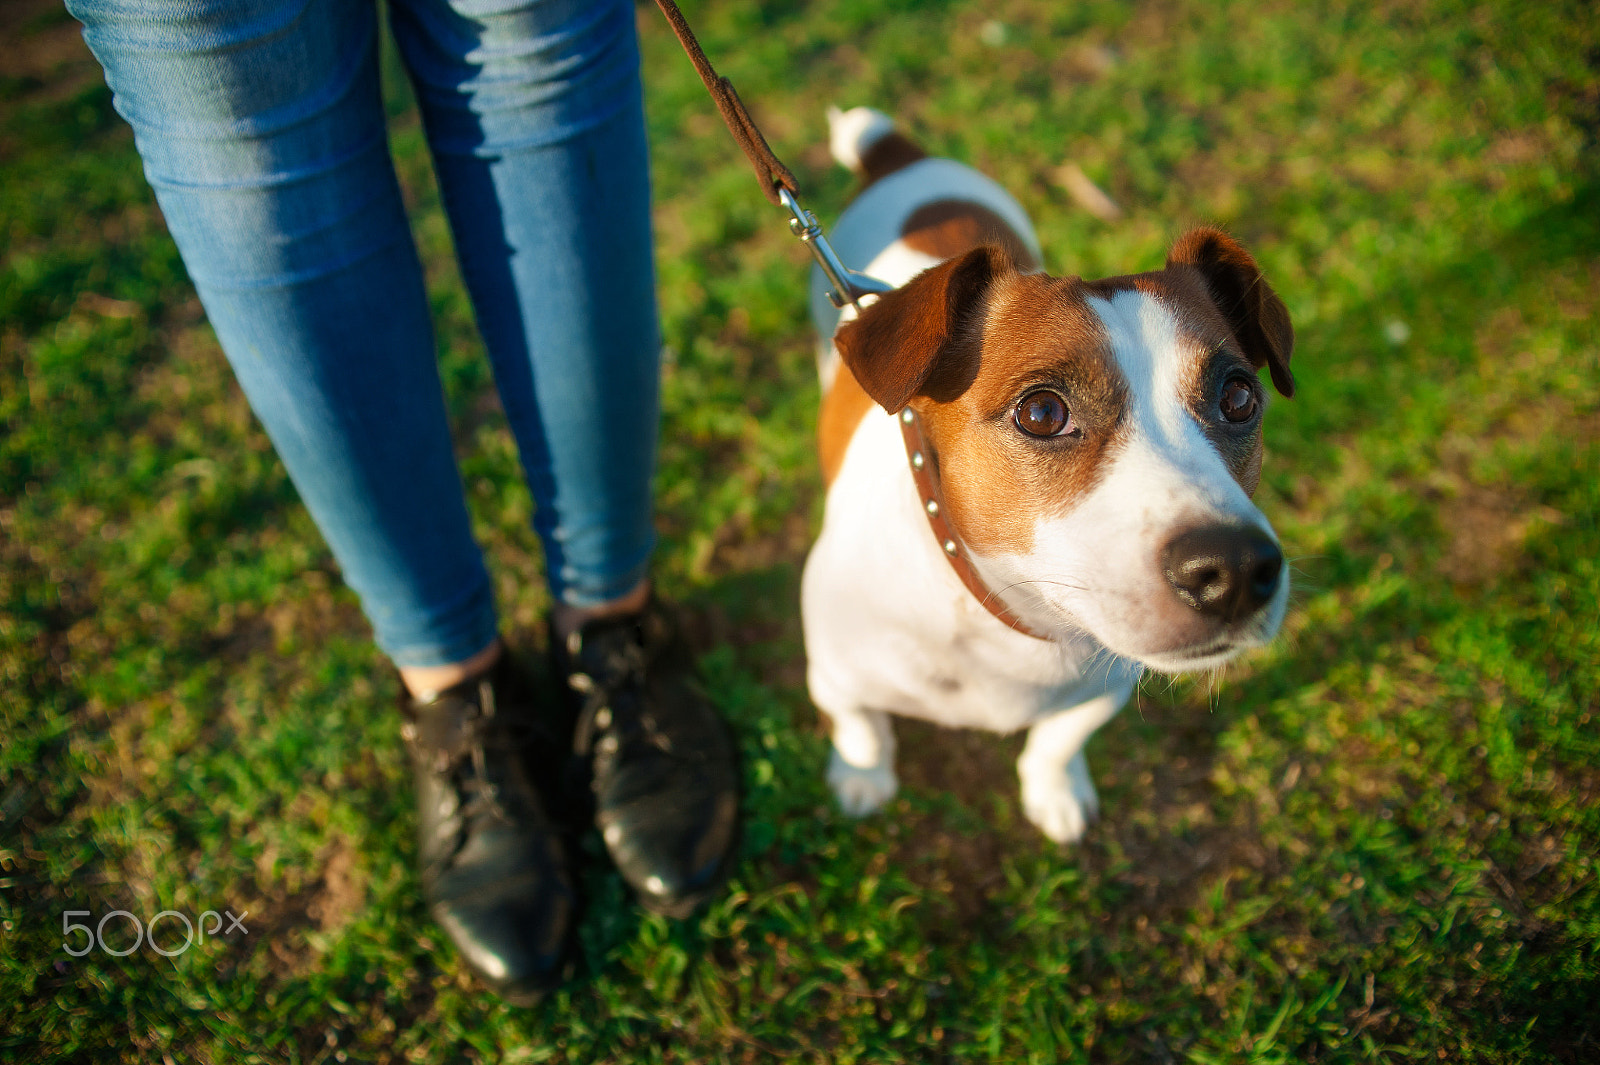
pixel 770 170
pixel 777 181
pixel 779 187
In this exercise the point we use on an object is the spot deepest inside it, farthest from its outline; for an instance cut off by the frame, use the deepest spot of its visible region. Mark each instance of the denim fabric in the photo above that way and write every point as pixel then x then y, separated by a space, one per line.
pixel 262 132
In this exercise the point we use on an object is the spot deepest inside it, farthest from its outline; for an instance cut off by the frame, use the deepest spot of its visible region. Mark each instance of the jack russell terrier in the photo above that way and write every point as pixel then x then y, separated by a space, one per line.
pixel 1038 487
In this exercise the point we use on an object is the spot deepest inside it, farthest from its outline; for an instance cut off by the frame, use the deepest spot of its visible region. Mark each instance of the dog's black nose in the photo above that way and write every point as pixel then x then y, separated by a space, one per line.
pixel 1223 571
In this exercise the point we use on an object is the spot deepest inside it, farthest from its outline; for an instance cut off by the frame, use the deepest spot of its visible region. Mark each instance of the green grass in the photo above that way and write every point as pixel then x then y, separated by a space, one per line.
pixel 1375 842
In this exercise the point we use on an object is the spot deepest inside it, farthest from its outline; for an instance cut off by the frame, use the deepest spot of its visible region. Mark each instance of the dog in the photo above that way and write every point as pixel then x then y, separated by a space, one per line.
pixel 1037 487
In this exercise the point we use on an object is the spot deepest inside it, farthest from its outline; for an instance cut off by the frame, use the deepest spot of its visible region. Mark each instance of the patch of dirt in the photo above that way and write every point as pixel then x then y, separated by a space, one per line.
pixel 963 868
pixel 1487 524
pixel 1157 837
pixel 968 763
pixel 736 551
pixel 1486 528
pixel 308 615
pixel 280 917
pixel 41 47
pixel 343 888
pixel 1161 833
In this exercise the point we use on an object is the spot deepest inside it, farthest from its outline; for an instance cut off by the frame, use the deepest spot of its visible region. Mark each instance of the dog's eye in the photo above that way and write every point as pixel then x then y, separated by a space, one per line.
pixel 1239 401
pixel 1043 413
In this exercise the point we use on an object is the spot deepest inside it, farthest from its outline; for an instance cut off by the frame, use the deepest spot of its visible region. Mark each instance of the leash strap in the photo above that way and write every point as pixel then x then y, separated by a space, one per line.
pixel 922 460
pixel 777 182
pixel 770 171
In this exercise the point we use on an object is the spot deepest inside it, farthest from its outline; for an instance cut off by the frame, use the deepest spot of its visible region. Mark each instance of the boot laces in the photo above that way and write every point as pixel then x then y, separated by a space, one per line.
pixel 612 684
pixel 474 773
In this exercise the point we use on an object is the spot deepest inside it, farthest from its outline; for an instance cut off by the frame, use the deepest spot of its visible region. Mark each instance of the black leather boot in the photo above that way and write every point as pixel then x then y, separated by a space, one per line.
pixel 665 782
pixel 494 867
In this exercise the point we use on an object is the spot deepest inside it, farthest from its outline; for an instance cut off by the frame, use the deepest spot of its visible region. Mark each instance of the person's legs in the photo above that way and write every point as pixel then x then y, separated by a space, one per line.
pixel 535 118
pixel 262 132
pixel 534 113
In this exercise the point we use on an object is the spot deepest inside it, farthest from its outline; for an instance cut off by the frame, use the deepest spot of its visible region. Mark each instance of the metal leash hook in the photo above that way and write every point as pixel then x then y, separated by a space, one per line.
pixel 848 285
pixel 777 183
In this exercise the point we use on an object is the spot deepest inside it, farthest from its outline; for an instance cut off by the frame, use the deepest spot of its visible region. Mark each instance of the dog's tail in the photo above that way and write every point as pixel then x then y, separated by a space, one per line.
pixel 866 143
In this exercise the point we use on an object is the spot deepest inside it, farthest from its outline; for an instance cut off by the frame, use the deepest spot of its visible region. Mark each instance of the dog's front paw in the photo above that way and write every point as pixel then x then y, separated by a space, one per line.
pixel 1061 802
pixel 861 791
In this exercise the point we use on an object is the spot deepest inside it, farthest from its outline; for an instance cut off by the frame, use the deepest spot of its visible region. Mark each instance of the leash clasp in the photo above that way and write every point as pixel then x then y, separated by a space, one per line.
pixel 848 285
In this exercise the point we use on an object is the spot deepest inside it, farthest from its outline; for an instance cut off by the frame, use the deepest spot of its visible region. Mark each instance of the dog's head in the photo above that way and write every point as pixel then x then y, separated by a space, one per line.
pixel 1098 442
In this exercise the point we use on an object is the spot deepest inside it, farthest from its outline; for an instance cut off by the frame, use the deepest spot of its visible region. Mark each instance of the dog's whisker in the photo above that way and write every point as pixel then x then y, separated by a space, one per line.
pixel 993 593
pixel 1054 610
pixel 1216 676
pixel 1301 576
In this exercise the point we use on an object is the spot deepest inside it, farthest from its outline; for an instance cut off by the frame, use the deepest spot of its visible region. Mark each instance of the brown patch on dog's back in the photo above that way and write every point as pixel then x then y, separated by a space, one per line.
pixel 893 151
pixel 998 482
pixel 945 229
pixel 842 410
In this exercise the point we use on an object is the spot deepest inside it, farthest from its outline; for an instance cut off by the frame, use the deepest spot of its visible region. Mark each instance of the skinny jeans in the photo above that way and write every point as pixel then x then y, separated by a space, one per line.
pixel 261 128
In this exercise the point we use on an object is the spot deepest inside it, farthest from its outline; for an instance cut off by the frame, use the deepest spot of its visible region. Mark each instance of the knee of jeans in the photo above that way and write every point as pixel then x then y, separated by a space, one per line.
pixel 261 130
pixel 519 76
pixel 273 231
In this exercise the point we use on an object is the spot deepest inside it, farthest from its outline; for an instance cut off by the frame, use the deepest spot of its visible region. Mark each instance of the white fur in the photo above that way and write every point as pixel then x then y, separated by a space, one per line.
pixel 854 131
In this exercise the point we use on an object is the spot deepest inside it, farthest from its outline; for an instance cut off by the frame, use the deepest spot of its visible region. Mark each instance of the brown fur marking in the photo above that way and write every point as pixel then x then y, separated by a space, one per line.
pixel 1258 318
pixel 894 348
pixel 842 410
pixel 997 481
pixel 890 152
pixel 945 229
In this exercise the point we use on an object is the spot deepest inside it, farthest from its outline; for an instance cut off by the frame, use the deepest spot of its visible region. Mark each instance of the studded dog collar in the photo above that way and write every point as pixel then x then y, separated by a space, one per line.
pixel 923 463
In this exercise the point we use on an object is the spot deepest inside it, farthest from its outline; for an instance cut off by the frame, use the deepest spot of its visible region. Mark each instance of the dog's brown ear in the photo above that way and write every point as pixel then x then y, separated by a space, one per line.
pixel 894 347
pixel 1258 317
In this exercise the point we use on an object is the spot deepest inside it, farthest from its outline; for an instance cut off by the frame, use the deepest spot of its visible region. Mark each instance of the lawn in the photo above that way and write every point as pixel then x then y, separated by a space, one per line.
pixel 1375 841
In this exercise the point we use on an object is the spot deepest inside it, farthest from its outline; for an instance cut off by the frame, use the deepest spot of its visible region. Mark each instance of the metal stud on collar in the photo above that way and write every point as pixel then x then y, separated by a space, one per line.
pixel 918 458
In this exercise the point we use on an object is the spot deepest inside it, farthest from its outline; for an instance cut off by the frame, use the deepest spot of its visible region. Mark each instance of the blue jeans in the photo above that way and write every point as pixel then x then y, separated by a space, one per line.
pixel 262 132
